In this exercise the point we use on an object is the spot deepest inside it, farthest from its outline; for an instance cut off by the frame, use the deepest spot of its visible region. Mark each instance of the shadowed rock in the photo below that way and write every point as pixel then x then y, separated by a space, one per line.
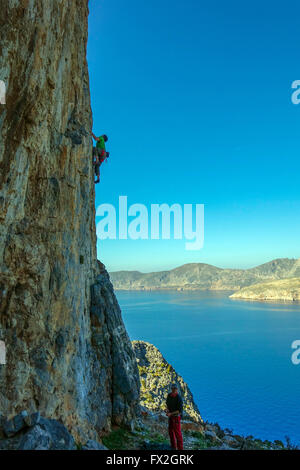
pixel 93 445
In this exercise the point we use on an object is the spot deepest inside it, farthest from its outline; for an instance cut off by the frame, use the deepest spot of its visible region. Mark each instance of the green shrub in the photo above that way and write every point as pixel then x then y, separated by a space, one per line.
pixel 117 440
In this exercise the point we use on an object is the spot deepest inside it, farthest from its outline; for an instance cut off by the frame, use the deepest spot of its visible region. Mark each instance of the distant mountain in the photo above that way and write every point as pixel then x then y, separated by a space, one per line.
pixel 198 276
pixel 285 289
pixel 295 271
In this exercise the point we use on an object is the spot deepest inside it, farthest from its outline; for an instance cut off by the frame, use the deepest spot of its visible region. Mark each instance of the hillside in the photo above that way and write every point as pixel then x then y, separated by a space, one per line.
pixel 204 276
pixel 285 289
pixel 156 376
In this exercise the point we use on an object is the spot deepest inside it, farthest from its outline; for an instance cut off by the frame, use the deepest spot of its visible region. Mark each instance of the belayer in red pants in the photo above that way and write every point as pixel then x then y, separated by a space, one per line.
pixel 174 412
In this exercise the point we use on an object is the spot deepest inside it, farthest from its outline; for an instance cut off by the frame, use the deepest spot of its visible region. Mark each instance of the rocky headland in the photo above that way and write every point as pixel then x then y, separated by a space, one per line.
pixel 287 290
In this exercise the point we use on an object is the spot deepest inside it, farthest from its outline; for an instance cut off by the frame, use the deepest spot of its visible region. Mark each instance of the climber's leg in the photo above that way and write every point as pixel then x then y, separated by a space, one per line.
pixel 97 171
pixel 96 163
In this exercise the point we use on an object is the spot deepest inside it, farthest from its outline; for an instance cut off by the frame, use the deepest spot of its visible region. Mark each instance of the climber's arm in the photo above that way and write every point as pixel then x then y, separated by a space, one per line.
pixel 94 137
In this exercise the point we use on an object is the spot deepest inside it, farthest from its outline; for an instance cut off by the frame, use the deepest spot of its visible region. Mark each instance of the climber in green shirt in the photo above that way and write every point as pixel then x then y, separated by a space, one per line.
pixel 99 154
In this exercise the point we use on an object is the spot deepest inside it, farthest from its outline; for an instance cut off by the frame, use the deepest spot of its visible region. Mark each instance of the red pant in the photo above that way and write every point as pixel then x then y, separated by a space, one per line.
pixel 175 433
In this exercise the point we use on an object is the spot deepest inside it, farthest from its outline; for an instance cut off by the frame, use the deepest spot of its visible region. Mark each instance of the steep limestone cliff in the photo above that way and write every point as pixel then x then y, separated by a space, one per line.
pixel 68 354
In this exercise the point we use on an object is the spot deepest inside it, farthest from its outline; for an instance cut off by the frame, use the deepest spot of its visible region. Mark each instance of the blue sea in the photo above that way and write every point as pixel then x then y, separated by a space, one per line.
pixel 234 355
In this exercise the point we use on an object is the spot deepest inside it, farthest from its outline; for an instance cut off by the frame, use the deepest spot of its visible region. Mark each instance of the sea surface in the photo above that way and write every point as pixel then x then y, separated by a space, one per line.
pixel 234 355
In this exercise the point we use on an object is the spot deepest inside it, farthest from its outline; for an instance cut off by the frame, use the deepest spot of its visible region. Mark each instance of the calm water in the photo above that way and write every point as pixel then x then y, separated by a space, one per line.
pixel 235 355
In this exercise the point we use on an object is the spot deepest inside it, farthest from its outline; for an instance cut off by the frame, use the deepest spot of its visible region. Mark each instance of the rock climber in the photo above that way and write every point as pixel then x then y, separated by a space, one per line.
pixel 99 154
pixel 174 412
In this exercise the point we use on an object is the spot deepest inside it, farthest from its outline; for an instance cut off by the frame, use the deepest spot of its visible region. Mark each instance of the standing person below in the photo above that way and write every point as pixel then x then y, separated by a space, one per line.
pixel 99 154
pixel 174 412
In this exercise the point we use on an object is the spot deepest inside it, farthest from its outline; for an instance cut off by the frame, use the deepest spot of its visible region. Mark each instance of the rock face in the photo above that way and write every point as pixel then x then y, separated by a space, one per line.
pixel 33 432
pixel 285 290
pixel 156 376
pixel 67 352
pixel 206 277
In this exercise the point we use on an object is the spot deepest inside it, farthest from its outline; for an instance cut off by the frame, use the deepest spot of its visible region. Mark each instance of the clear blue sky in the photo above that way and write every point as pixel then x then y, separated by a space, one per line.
pixel 196 99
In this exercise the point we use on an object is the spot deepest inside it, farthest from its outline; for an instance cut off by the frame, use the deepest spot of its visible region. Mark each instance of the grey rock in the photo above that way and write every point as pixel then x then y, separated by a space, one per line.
pixel 48 434
pixel 11 443
pixel 16 424
pixel 230 441
pixel 19 421
pixel 32 419
pixel 75 131
pixel 36 439
pixel 60 436
pixel 9 428
pixel 211 435
pixel 94 445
